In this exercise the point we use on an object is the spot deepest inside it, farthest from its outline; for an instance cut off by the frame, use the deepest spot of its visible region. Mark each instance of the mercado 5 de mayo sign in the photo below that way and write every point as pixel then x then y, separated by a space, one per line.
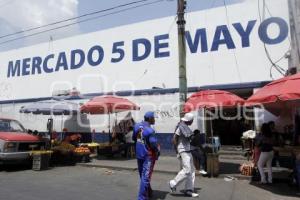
pixel 142 48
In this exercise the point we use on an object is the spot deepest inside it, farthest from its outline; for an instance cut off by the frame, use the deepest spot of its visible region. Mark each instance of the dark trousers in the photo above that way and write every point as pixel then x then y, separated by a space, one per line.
pixel 145 167
pixel 200 156
pixel 297 172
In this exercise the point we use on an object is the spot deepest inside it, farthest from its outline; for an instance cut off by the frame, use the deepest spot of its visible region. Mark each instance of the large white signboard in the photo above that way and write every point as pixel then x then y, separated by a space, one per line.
pixel 222 47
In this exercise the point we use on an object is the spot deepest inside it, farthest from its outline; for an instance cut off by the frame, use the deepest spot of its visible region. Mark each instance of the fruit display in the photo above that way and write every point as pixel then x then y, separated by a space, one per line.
pixel 64 148
pixel 90 145
pixel 93 145
pixel 82 150
pixel 82 154
pixel 39 152
pixel 104 145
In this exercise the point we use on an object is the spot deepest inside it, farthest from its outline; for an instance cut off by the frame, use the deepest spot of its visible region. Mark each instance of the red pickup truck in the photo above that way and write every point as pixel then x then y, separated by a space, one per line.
pixel 15 143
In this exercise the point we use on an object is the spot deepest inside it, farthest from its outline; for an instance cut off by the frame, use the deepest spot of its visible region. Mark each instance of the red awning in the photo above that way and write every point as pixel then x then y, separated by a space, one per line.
pixel 280 94
pixel 108 104
pixel 212 99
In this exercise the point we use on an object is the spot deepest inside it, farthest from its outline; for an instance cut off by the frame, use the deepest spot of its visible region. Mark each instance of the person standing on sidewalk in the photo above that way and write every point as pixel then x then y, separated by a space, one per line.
pixel 198 152
pixel 147 152
pixel 266 155
pixel 182 145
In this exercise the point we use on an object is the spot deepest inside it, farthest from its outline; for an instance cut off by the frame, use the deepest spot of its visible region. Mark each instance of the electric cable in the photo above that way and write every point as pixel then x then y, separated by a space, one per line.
pixel 74 23
pixel 234 53
pixel 275 65
pixel 73 18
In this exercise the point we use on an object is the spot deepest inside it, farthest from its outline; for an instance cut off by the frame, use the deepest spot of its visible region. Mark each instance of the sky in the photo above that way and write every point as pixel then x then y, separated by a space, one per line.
pixel 19 15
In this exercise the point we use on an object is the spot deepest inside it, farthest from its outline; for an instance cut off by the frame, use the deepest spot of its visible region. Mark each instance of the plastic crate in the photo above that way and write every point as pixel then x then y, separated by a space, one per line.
pixel 40 161
pixel 212 164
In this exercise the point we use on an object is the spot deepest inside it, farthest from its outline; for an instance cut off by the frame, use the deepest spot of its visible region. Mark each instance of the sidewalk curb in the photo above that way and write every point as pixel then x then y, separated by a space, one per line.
pixel 221 176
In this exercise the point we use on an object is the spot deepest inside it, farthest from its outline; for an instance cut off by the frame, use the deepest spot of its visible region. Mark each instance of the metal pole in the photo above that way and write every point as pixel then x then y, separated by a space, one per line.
pixel 109 134
pixel 62 122
pixel 212 135
pixel 181 55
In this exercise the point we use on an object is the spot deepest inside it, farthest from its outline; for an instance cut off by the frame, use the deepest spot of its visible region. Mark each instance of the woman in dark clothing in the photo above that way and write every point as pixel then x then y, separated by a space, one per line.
pixel 267 154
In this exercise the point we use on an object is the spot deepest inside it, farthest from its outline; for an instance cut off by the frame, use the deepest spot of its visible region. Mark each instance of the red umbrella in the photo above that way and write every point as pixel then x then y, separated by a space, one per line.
pixel 278 95
pixel 108 105
pixel 212 99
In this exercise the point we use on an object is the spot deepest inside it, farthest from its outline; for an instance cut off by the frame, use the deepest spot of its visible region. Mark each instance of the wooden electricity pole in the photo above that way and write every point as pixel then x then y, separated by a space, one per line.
pixel 181 54
pixel 294 13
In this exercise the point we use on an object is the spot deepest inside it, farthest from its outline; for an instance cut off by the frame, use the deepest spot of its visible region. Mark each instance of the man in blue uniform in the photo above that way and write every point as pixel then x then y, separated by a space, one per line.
pixel 147 152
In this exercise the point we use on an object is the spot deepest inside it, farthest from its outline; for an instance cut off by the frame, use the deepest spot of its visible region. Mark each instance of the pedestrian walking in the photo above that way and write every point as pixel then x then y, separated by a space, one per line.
pixel 181 140
pixel 147 152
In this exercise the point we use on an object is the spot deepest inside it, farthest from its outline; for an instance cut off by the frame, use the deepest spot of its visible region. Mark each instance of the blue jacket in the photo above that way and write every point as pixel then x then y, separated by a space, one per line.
pixel 137 127
pixel 146 142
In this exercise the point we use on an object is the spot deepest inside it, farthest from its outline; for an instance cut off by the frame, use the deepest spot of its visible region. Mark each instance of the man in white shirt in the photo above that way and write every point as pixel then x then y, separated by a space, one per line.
pixel 181 141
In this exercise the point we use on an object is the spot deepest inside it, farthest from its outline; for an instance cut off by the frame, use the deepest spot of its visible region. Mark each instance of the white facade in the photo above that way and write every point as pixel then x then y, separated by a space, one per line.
pixel 230 50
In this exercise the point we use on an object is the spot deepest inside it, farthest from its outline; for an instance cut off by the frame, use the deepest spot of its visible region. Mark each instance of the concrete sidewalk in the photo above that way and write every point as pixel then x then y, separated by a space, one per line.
pixel 170 165
pixel 165 164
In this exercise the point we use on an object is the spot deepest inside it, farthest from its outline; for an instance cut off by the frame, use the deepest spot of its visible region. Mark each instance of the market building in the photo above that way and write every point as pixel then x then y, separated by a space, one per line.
pixel 229 51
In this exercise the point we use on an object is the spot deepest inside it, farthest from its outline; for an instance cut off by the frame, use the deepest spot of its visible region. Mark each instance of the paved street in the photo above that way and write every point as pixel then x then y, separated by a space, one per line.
pixel 84 183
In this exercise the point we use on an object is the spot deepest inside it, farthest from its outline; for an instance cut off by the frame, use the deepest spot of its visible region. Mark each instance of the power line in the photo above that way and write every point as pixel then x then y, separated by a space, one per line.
pixel 270 14
pixel 149 63
pixel 274 64
pixel 277 61
pixel 172 24
pixel 85 20
pixel 73 18
pixel 234 53
pixel 265 7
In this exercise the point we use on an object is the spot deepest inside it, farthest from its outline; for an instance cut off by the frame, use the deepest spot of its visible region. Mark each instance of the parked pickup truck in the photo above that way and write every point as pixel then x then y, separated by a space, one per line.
pixel 15 143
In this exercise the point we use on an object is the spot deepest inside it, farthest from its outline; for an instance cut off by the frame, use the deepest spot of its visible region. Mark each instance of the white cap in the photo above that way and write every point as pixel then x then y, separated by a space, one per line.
pixel 188 117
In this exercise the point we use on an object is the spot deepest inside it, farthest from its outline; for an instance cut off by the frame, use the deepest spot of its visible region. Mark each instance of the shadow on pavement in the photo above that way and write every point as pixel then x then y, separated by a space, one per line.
pixel 15 167
pixel 229 168
pixel 116 157
pixel 279 187
pixel 181 193
pixel 157 194
pixel 283 184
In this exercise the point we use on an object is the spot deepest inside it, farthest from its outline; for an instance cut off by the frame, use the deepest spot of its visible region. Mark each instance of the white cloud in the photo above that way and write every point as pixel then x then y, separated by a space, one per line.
pixel 21 15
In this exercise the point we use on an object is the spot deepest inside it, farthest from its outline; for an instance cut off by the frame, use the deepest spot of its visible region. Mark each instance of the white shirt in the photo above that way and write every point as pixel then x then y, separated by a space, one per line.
pixel 128 137
pixel 183 140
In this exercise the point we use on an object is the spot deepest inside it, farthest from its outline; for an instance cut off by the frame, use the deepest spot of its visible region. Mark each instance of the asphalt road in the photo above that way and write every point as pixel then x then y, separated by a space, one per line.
pixel 83 183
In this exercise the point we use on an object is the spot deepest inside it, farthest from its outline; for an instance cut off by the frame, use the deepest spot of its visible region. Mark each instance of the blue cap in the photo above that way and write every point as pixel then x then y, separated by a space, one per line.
pixel 149 114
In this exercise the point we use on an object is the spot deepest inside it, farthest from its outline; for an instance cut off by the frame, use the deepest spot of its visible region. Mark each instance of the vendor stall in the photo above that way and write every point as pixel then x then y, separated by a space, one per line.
pixel 93 148
pixel 51 107
pixel 109 105
pixel 82 154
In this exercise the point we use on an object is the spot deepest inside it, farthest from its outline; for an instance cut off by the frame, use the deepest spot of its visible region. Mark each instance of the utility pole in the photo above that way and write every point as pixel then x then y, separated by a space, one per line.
pixel 182 54
pixel 294 14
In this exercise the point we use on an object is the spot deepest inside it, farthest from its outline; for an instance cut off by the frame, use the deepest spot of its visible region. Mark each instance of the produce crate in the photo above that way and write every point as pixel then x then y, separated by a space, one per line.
pixel 213 164
pixel 40 161
pixel 247 169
